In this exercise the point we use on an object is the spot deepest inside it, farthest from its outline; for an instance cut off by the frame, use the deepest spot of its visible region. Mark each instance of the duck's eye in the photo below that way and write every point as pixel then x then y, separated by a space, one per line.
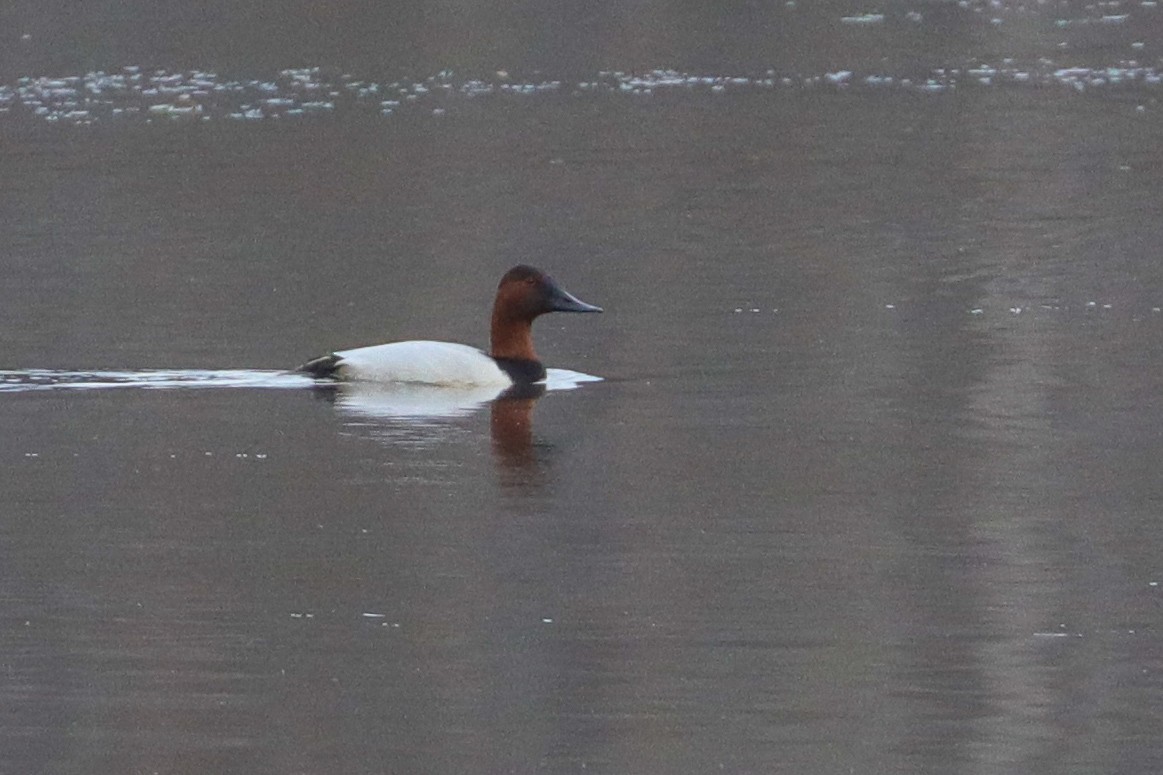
pixel 530 280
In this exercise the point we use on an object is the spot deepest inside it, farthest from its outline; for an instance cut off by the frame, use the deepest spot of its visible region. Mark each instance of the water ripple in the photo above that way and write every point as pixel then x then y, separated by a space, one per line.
pixel 21 381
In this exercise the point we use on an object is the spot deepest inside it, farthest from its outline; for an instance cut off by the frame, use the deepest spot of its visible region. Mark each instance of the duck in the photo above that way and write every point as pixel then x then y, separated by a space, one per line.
pixel 523 294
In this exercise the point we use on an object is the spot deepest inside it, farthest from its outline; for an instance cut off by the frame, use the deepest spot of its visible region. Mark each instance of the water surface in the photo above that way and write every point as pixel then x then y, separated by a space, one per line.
pixel 869 484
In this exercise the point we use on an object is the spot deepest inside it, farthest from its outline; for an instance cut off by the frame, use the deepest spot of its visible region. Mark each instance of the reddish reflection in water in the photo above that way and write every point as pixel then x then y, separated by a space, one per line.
pixel 511 426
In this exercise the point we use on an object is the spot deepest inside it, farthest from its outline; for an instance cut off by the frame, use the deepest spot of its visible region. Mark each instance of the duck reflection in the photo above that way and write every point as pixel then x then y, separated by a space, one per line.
pixel 422 415
pixel 420 405
pixel 511 425
pixel 427 415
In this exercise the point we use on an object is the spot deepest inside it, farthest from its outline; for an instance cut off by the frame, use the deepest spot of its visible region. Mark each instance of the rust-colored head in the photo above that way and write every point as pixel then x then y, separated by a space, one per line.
pixel 523 294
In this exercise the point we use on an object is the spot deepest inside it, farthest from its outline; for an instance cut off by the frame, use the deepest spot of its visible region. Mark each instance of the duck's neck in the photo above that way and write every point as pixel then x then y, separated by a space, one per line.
pixel 512 338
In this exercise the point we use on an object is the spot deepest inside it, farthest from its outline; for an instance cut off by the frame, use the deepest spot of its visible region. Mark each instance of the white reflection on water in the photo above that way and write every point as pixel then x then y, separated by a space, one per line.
pixel 407 402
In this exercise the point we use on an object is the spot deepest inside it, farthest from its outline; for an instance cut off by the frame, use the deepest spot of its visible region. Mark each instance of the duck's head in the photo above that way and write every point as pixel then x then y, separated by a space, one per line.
pixel 523 294
pixel 526 292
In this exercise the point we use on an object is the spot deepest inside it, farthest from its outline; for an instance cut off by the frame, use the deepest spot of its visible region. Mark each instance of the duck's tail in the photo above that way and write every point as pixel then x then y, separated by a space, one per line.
pixel 322 367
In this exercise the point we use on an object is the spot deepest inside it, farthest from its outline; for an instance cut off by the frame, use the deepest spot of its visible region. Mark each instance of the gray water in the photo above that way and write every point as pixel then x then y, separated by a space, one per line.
pixel 870 484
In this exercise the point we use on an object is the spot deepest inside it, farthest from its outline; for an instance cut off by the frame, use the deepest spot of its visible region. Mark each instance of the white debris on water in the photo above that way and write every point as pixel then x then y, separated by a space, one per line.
pixel 864 18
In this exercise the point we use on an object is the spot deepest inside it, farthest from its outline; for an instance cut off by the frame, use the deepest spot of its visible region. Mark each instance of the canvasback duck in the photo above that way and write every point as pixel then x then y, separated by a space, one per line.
pixel 523 294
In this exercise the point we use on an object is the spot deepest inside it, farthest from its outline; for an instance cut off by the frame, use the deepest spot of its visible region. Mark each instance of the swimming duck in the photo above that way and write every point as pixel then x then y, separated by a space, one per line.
pixel 523 294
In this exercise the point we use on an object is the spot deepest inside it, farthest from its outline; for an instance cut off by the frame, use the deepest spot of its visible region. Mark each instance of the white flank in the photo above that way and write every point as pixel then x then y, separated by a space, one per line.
pixel 422 362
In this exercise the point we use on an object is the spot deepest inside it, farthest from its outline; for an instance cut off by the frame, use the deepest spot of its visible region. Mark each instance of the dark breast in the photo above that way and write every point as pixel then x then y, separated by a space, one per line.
pixel 522 371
